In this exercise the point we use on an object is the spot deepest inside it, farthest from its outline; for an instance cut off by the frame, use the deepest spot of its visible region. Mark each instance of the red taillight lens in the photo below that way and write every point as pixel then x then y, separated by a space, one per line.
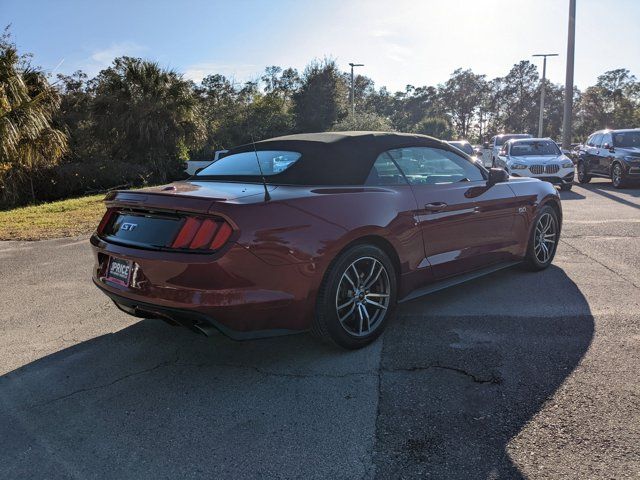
pixel 105 219
pixel 222 235
pixel 201 234
pixel 187 232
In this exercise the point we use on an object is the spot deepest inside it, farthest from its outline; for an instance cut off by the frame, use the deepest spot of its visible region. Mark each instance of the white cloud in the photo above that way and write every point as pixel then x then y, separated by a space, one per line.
pixel 101 59
pixel 238 72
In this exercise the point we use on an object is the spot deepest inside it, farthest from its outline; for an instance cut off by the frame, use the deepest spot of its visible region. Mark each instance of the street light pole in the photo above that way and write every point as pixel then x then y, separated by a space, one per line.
pixel 353 96
pixel 568 84
pixel 542 87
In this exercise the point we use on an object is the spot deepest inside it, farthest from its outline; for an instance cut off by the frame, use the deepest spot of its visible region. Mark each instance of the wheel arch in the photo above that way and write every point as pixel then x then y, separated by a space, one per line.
pixel 370 239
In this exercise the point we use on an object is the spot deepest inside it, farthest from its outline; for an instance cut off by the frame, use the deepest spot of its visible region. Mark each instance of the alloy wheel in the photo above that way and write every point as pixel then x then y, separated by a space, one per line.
pixel 616 175
pixel 545 238
pixel 363 296
pixel 581 171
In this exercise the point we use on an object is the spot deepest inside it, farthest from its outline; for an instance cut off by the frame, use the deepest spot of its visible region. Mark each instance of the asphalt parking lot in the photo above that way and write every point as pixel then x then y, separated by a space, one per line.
pixel 516 375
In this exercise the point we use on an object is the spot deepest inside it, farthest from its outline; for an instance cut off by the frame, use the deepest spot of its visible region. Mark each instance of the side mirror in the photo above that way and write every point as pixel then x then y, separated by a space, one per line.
pixel 497 175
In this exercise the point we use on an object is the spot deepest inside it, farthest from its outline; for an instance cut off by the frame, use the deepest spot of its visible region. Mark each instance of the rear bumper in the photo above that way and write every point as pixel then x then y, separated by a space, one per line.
pixel 234 292
pixel 191 319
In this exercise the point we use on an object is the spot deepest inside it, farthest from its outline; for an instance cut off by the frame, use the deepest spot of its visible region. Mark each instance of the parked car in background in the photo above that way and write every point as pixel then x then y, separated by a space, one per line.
pixel 467 148
pixel 537 158
pixel 323 232
pixel 495 144
pixel 194 165
pixel 613 154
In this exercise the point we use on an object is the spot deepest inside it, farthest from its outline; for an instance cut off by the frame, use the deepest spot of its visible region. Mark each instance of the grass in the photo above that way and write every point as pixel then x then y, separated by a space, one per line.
pixel 66 218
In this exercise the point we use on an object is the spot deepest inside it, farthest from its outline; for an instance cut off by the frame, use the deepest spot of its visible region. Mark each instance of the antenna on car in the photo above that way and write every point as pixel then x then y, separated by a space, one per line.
pixel 267 197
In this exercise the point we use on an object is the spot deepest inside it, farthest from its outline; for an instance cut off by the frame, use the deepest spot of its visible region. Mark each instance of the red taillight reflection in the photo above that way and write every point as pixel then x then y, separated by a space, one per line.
pixel 203 234
pixel 105 219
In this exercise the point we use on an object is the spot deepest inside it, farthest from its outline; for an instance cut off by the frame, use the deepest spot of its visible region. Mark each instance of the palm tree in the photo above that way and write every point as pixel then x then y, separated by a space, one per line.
pixel 146 114
pixel 28 140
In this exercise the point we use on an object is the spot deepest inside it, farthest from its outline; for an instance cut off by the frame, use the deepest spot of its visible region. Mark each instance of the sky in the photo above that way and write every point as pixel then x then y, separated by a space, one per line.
pixel 417 42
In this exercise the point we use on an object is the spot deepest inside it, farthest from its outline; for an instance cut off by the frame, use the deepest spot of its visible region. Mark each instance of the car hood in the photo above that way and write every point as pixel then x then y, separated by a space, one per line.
pixel 536 160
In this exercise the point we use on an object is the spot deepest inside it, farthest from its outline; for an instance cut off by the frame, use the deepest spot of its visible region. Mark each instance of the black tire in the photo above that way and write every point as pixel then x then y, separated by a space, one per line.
pixel 583 176
pixel 327 325
pixel 534 260
pixel 565 187
pixel 617 176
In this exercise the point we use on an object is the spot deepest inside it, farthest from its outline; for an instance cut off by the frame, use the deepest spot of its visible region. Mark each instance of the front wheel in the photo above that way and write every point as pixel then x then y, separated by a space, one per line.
pixel 583 177
pixel 617 176
pixel 357 297
pixel 543 240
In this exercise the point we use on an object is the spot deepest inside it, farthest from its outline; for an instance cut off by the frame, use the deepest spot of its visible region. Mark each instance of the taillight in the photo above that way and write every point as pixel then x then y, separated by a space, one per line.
pixel 105 219
pixel 203 234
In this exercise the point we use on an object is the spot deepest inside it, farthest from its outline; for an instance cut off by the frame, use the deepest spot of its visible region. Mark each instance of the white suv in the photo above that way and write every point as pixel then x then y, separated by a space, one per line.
pixel 496 143
pixel 538 158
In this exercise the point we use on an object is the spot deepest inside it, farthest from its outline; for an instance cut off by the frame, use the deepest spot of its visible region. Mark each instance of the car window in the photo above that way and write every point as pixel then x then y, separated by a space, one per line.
pixel 590 140
pixel 606 138
pixel 535 148
pixel 385 172
pixel 627 139
pixel 432 166
pixel 272 162
pixel 596 139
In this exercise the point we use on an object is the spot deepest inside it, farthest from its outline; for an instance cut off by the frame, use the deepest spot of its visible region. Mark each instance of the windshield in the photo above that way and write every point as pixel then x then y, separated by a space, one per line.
pixel 503 138
pixel 464 146
pixel 245 164
pixel 626 139
pixel 523 149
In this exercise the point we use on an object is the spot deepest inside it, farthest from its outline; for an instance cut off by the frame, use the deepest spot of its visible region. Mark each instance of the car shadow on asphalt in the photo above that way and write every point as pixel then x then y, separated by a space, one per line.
pixel 153 401
pixel 608 190
pixel 457 389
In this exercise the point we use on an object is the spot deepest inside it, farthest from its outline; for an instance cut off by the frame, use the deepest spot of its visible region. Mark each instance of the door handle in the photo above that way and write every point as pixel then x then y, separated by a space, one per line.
pixel 435 206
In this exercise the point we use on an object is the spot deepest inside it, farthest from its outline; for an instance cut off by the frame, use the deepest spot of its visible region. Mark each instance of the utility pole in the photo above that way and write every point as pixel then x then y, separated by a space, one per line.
pixel 353 96
pixel 542 87
pixel 568 84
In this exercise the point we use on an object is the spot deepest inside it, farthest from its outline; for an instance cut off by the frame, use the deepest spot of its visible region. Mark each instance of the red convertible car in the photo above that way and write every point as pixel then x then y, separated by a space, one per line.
pixel 324 232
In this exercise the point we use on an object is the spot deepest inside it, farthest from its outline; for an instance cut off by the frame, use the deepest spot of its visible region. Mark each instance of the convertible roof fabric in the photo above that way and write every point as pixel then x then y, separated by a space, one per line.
pixel 334 158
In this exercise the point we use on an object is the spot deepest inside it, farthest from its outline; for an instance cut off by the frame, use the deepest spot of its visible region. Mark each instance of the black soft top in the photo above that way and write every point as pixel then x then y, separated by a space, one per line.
pixel 335 158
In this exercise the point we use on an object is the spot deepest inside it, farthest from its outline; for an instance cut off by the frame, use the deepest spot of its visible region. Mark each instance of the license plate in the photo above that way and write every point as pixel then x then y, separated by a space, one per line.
pixel 119 271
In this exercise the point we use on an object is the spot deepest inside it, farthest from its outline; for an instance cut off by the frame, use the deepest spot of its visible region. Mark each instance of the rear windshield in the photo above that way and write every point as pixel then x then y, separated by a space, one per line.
pixel 626 139
pixel 243 164
pixel 523 149
pixel 503 138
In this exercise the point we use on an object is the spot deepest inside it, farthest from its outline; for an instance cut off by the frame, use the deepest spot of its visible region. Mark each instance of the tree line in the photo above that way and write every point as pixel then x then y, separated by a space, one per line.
pixel 136 123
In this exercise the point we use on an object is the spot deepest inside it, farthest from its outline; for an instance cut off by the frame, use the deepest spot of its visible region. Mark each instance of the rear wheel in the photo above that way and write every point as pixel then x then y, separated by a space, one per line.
pixel 357 297
pixel 583 177
pixel 543 240
pixel 617 176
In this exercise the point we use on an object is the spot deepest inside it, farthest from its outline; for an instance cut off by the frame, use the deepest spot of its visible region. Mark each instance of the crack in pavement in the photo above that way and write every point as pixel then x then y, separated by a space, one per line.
pixel 492 379
pixel 174 363
pixel 600 263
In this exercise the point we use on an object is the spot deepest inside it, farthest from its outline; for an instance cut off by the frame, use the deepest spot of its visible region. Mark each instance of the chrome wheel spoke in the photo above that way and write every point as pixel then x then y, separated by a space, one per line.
pixel 346 304
pixel 375 304
pixel 377 295
pixel 348 314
